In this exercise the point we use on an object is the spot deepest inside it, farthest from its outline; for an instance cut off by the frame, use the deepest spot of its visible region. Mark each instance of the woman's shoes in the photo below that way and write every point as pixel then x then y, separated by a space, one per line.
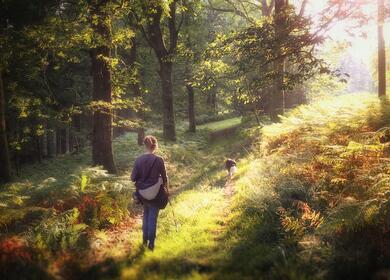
pixel 150 245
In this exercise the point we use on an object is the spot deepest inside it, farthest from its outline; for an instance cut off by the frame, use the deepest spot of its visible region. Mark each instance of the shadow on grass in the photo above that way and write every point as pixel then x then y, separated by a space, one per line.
pixel 172 268
pixel 14 270
pixel 250 245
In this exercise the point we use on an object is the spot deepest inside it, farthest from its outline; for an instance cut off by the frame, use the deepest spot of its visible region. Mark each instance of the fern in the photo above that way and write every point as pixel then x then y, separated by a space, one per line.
pixel 58 232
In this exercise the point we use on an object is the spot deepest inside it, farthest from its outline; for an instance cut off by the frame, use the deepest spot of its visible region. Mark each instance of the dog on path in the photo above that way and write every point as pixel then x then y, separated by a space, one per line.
pixel 231 167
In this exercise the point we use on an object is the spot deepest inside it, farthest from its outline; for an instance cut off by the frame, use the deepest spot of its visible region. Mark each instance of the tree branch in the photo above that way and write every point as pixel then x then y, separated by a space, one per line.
pixel 303 7
pixel 233 10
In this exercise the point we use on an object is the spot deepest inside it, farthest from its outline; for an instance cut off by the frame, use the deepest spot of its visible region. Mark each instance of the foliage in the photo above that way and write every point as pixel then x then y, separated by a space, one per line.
pixel 336 165
pixel 58 233
pixel 323 86
pixel 311 197
pixel 250 55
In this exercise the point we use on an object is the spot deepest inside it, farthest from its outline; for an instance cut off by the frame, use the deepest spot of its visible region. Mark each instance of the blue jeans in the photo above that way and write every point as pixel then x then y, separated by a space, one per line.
pixel 149 223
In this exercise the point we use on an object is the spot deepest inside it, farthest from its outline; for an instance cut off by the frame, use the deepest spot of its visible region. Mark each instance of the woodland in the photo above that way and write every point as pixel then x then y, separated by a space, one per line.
pixel 296 91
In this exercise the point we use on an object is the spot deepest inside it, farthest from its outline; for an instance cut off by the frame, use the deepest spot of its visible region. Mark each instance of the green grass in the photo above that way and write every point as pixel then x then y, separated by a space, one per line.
pixel 189 230
pixel 313 202
pixel 43 208
pixel 346 113
pixel 186 244
pixel 220 125
pixel 309 202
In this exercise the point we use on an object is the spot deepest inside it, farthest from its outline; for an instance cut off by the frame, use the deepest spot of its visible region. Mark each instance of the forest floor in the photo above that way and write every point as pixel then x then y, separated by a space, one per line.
pixel 191 228
pixel 308 191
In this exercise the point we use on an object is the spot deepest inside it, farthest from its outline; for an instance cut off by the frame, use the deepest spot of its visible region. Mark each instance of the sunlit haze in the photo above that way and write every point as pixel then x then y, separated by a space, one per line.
pixel 360 41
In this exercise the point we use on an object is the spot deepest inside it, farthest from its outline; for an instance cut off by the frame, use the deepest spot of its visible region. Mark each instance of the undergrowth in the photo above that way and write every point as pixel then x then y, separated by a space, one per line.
pixel 68 219
pixel 313 201
pixel 310 201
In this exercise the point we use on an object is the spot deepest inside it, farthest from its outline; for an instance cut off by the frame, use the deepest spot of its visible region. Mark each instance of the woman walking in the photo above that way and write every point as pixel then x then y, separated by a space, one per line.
pixel 149 174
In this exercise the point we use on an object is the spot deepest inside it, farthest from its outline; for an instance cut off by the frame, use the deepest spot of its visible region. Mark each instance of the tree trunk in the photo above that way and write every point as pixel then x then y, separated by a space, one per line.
pixel 58 141
pixel 5 167
pixel 43 139
pixel 141 135
pixel 165 73
pixel 135 85
pixel 277 98
pixel 38 148
pixel 212 101
pixel 156 39
pixel 51 143
pixel 102 116
pixel 381 50
pixel 16 154
pixel 266 9
pixel 136 91
pixel 64 139
pixel 68 140
pixel 191 108
pixel 76 122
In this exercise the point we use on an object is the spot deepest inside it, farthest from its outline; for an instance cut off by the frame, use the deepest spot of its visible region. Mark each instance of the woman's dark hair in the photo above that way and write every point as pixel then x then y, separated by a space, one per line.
pixel 150 142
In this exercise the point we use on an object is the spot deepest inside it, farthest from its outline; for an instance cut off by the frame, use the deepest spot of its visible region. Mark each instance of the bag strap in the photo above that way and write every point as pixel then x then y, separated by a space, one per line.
pixel 151 168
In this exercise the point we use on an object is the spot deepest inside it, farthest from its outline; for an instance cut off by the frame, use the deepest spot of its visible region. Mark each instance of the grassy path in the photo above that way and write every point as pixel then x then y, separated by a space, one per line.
pixel 219 125
pixel 189 249
pixel 189 230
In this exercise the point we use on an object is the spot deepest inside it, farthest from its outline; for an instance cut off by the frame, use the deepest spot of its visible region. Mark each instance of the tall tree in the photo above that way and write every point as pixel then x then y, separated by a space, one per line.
pixel 266 9
pixel 135 87
pixel 102 89
pixel 189 61
pixel 153 14
pixel 277 97
pixel 381 50
pixel 5 168
pixel 191 108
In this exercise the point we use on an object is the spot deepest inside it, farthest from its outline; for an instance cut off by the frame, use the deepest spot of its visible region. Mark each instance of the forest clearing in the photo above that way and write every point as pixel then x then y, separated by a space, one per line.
pixel 194 139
